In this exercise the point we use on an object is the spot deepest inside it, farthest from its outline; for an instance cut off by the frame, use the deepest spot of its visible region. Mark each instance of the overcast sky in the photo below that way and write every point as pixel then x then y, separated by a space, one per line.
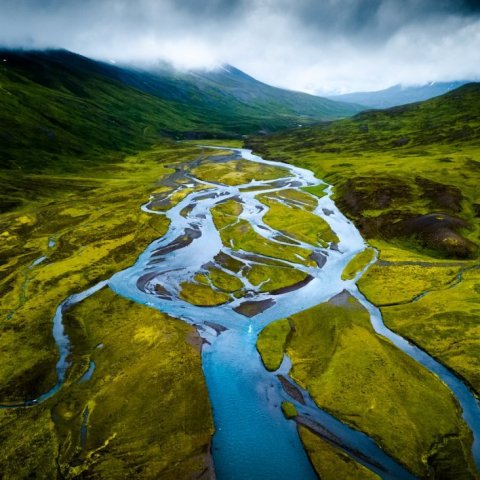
pixel 311 45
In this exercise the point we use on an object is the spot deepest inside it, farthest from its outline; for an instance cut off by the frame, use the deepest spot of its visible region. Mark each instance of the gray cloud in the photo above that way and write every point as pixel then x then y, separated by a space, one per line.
pixel 326 45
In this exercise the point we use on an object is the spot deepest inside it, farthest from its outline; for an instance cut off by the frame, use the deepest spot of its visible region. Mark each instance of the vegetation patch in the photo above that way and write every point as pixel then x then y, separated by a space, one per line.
pixel 416 203
pixel 202 295
pixel 297 197
pixel 289 410
pixel 358 263
pixel 396 194
pixel 237 172
pixel 389 283
pixel 368 383
pixel 446 323
pixel 124 421
pixel 88 226
pixel 331 463
pixel 317 190
pixel 224 281
pixel 271 278
pixel 272 342
pixel 297 223
pixel 241 236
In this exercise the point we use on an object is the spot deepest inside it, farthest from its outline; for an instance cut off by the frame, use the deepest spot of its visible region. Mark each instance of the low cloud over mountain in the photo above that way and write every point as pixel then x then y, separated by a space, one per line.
pixel 328 46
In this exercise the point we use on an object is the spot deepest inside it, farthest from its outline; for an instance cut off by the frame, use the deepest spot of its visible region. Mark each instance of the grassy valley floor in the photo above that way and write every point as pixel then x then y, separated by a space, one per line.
pixel 417 202
pixel 369 384
pixel 67 233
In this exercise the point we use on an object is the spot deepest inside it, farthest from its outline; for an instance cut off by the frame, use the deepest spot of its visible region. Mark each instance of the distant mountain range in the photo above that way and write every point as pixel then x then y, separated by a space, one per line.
pixel 398 94
pixel 59 107
pixel 449 119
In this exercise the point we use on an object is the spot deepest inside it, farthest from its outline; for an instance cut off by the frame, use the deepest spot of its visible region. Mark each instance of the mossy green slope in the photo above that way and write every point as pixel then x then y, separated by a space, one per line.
pixel 368 383
pixel 407 175
pixel 331 463
pixel 144 412
pixel 71 114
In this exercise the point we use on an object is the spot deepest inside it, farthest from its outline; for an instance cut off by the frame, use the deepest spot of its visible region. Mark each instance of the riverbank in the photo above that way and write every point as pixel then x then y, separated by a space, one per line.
pixel 227 213
pixel 88 226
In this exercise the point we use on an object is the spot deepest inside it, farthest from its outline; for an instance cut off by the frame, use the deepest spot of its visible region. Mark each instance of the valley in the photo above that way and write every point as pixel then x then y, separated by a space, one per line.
pixel 206 289
pixel 226 215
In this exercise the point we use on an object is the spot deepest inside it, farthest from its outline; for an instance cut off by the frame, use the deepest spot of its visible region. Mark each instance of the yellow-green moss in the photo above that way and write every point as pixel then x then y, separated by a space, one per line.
pixel 308 202
pixel 331 463
pixel 148 410
pixel 445 323
pixel 289 410
pixel 271 343
pixel 232 143
pixel 358 263
pixel 241 236
pixel 297 223
pixel 317 190
pixel 402 281
pixel 99 229
pixel 368 383
pixel 224 281
pixel 202 295
pixel 271 278
pixel 237 172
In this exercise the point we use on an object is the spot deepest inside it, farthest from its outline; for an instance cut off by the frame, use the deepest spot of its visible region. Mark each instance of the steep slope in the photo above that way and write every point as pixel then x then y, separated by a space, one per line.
pixel 59 108
pixel 228 87
pixel 398 94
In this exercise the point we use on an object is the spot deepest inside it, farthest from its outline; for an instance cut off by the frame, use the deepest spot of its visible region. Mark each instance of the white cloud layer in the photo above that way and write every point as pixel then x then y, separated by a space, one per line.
pixel 311 45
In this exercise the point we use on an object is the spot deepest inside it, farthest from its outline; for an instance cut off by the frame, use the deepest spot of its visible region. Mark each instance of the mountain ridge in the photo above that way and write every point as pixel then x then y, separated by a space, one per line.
pixel 69 107
pixel 398 94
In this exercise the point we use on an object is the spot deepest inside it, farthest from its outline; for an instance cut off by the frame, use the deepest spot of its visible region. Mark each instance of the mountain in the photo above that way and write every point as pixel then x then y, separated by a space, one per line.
pixel 398 94
pixel 226 86
pixel 59 108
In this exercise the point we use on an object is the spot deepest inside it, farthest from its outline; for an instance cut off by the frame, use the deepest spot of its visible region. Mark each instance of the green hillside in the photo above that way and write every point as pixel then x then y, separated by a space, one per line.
pixel 408 177
pixel 394 169
pixel 230 92
pixel 60 109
